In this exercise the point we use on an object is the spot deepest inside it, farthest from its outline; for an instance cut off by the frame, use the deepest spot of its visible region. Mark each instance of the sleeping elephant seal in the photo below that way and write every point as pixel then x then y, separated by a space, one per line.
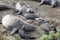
pixel 11 22
pixel 23 8
pixel 30 15
pixel 4 6
pixel 53 3
pixel 25 31
pixel 25 35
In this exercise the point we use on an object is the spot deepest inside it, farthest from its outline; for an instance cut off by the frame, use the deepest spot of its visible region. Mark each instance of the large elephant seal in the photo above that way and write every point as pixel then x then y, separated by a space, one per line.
pixel 4 7
pixel 25 35
pixel 25 32
pixel 30 16
pixel 13 23
pixel 23 8
pixel 53 3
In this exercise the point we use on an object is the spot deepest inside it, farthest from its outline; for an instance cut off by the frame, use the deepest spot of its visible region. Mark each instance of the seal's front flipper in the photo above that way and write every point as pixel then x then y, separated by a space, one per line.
pixel 13 31
pixel 42 1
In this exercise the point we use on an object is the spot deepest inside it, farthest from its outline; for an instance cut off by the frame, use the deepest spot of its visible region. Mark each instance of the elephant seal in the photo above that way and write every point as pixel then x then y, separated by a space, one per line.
pixel 3 7
pixel 53 3
pixel 13 23
pixel 25 35
pixel 23 8
pixel 25 32
pixel 30 16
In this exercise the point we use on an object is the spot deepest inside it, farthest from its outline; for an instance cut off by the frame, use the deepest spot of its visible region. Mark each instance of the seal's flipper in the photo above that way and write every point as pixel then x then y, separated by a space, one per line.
pixel 13 31
pixel 42 1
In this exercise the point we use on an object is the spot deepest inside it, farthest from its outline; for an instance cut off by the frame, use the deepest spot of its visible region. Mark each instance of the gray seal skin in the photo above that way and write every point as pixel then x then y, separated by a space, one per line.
pixel 30 15
pixel 47 27
pixel 23 8
pixel 53 3
pixel 4 7
pixel 28 28
pixel 11 22
pixel 15 24
pixel 25 35
pixel 25 32
pixel 25 11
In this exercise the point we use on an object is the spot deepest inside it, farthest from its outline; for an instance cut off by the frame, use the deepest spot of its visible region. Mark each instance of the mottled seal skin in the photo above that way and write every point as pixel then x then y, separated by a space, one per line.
pixel 30 16
pixel 11 22
pixel 53 3
pixel 25 35
pixel 15 24
pixel 47 27
pixel 25 11
pixel 25 31
pixel 29 28
pixel 20 8
pixel 4 7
